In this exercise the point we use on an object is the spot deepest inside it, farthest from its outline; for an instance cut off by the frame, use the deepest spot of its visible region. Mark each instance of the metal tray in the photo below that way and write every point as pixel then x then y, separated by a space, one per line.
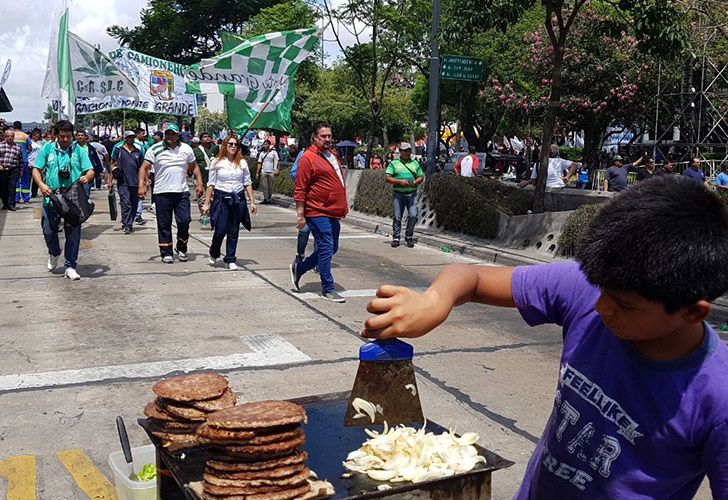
pixel 328 443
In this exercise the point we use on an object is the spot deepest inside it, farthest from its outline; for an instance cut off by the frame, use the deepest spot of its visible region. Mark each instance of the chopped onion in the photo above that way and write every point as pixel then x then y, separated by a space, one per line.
pixel 364 408
pixel 401 454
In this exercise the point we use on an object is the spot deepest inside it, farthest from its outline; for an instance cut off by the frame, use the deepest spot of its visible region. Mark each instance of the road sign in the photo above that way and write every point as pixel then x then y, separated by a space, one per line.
pixel 461 68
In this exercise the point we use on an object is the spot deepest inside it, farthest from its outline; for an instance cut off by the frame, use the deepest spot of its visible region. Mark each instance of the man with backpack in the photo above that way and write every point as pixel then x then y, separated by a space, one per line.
pixel 405 174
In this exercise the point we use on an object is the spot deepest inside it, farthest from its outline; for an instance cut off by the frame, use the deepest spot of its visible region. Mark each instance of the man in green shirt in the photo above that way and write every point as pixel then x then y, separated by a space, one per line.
pixel 405 174
pixel 59 164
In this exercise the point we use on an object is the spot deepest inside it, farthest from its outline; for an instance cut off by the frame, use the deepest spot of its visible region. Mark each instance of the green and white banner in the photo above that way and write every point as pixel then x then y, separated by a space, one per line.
pixel 58 84
pixel 257 73
pixel 161 86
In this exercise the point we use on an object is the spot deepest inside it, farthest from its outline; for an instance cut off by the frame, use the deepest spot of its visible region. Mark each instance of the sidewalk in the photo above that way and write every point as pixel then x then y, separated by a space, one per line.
pixel 461 244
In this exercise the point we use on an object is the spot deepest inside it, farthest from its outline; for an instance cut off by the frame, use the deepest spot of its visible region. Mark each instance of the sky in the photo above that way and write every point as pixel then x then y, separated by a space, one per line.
pixel 25 32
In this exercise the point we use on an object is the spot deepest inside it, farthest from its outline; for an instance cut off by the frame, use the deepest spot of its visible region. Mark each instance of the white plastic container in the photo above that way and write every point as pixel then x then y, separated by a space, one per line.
pixel 127 489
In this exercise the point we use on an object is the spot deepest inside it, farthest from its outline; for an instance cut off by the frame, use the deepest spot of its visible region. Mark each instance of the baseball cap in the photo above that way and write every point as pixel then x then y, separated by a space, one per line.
pixel 158 133
pixel 617 158
pixel 171 127
pixel 404 145
pixel 129 133
pixel 195 140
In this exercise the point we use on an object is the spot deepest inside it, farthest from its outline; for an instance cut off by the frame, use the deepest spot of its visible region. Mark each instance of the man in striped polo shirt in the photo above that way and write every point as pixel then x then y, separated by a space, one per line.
pixel 172 160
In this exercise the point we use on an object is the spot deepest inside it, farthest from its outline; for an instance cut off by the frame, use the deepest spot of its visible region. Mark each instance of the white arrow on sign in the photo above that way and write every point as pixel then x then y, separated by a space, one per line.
pixel 6 73
pixel 268 350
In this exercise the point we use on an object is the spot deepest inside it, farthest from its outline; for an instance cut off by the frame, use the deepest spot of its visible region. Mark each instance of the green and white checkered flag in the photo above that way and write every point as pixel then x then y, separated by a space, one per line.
pixel 257 72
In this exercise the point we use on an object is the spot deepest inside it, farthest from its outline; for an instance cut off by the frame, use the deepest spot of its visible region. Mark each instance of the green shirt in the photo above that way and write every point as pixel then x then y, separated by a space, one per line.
pixel 137 144
pixel 405 171
pixel 52 159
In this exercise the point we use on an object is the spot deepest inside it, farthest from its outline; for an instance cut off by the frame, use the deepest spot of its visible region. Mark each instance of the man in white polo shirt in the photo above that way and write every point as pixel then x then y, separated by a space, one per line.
pixel 171 160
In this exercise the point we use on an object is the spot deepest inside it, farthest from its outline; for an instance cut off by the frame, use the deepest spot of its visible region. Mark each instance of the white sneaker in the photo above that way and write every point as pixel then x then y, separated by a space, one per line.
pixel 71 274
pixel 52 262
pixel 168 259
pixel 211 260
pixel 232 266
pixel 182 256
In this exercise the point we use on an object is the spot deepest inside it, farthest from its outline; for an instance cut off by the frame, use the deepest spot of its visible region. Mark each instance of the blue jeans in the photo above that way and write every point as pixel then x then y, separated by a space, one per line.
pixel 227 224
pixel 128 196
pixel 325 232
pixel 49 221
pixel 302 241
pixel 400 202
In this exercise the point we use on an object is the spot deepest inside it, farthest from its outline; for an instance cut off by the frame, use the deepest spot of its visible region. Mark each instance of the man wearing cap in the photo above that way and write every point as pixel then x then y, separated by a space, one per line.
pixel 171 160
pixel 125 169
pixel 615 178
pixel 405 174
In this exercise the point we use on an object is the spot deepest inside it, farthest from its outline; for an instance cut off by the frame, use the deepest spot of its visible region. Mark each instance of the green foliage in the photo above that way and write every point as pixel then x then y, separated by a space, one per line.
pixel 186 31
pixel 253 166
pixel 212 123
pixel 574 228
pixel 284 184
pixel 374 194
pixel 573 154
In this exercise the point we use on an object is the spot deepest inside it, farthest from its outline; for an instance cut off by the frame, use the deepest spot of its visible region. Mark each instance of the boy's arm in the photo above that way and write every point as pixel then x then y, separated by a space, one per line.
pixel 715 458
pixel 401 312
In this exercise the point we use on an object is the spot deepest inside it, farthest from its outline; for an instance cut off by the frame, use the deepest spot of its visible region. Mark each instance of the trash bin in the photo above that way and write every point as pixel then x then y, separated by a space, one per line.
pixel 127 489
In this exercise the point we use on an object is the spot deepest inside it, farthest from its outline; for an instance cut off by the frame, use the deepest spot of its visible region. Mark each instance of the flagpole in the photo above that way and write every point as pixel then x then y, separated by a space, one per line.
pixel 262 109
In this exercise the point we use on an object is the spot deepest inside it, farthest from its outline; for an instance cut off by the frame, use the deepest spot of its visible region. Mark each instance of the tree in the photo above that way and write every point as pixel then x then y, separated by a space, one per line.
pixel 186 31
pixel 212 123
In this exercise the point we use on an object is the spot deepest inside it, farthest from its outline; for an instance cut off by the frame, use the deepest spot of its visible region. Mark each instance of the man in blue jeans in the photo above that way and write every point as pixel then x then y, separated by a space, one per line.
pixel 320 196
pixel 405 174
pixel 60 164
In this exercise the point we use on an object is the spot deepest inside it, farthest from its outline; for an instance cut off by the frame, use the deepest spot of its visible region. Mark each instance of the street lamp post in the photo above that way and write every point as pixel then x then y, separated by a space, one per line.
pixel 433 115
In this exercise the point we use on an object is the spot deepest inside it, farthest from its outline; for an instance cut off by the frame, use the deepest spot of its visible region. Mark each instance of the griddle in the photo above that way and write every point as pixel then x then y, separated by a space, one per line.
pixel 328 443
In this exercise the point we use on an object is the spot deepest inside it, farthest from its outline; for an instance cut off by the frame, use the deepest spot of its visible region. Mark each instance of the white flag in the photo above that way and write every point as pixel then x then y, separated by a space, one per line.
pixel 95 74
pixel 57 83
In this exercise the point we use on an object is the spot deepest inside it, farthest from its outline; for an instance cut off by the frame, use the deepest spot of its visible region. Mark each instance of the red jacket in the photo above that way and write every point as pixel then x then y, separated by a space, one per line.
pixel 318 186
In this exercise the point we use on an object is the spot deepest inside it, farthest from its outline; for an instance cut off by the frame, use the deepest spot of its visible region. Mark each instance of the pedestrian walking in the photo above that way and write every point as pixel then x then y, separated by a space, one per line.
pixel 171 160
pixel 82 142
pixel 125 167
pixel 695 173
pixel 60 164
pixel 320 195
pixel 104 157
pixel 721 181
pixel 615 178
pixel 559 170
pixel 582 176
pixel 22 188
pixel 267 171
pixel 142 144
pixel 11 161
pixel 305 232
pixel 641 407
pixel 228 183
pixel 36 142
pixel 405 174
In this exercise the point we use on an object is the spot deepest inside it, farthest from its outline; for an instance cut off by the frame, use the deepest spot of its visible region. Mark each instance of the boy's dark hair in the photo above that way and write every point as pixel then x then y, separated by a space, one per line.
pixel 665 238
pixel 318 126
pixel 64 126
pixel 472 150
pixel 17 125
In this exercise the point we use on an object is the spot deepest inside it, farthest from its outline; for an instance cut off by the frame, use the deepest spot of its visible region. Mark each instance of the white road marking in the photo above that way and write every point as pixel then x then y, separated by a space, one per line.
pixel 369 292
pixel 342 237
pixel 268 350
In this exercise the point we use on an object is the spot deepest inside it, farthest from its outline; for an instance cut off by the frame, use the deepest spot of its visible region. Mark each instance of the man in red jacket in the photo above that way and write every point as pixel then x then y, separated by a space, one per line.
pixel 320 196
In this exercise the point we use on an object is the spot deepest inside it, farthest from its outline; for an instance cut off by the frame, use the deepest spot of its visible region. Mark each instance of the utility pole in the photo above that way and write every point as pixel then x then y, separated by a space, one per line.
pixel 433 114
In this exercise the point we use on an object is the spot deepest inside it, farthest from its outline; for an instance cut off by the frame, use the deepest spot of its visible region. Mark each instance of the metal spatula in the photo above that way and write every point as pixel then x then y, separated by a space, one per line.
pixel 385 388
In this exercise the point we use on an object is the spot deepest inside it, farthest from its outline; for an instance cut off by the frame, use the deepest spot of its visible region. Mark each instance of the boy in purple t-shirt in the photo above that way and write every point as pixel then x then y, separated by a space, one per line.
pixel 641 406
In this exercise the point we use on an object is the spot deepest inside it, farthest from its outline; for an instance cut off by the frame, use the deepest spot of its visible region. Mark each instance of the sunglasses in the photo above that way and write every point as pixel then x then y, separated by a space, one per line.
pixel 233 144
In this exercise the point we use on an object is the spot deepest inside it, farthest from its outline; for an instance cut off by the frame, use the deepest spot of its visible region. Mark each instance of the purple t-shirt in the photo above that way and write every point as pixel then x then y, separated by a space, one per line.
pixel 622 426
pixel 696 175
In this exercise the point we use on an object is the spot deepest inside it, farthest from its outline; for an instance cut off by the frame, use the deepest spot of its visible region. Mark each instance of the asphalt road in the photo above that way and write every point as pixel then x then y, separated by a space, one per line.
pixel 74 355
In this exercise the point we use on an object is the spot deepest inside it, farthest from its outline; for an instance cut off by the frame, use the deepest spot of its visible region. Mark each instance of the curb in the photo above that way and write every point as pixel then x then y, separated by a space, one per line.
pixel 487 253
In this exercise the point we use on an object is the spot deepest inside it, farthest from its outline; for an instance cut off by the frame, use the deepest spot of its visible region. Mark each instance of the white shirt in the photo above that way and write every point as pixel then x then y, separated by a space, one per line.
pixel 269 159
pixel 225 177
pixel 34 150
pixel 334 163
pixel 170 167
pixel 466 166
pixel 557 166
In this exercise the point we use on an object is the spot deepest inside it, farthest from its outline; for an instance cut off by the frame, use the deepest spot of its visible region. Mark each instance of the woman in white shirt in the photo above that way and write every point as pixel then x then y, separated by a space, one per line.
pixel 228 182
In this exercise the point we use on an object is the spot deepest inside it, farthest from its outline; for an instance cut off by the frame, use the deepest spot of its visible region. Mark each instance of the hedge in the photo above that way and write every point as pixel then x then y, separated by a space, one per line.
pixel 468 205
pixel 571 153
pixel 574 227
pixel 284 184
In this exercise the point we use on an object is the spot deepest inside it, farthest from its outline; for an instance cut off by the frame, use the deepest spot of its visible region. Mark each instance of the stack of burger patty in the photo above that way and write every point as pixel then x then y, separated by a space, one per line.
pixel 183 403
pixel 254 452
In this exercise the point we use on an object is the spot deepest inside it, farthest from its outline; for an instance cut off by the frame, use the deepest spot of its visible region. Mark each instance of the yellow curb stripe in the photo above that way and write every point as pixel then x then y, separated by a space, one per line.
pixel 20 474
pixel 86 475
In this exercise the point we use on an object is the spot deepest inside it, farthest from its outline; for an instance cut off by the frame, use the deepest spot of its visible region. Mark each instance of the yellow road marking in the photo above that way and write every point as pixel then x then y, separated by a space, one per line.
pixel 86 475
pixel 20 473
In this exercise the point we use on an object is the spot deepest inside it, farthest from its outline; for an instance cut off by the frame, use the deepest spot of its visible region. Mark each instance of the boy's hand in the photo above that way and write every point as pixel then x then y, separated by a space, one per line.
pixel 401 312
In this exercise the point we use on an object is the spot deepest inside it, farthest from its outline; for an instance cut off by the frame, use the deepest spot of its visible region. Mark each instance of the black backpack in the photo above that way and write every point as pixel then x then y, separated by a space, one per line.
pixel 72 204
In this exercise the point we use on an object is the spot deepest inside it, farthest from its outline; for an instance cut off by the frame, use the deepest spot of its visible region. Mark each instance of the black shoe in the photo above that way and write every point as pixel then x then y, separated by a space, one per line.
pixel 126 230
pixel 395 243
pixel 5 207
pixel 295 277
pixel 140 221
pixel 333 297
pixel 12 208
pixel 409 242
